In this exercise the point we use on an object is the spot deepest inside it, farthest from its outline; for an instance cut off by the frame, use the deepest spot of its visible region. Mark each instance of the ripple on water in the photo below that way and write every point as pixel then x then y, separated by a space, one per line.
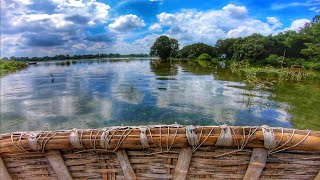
pixel 93 95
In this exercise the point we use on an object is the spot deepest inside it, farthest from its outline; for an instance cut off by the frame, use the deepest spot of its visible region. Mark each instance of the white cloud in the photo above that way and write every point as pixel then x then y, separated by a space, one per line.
pixel 235 11
pixel 190 26
pixel 33 21
pixel 126 23
pixel 241 31
pixel 18 17
pixel 297 24
pixel 155 27
pixel 274 22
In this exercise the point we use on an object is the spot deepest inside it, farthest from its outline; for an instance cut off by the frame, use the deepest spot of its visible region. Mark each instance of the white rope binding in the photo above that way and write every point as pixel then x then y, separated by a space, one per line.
pixel 268 136
pixel 143 137
pixel 225 138
pixel 74 139
pixel 33 141
pixel 104 140
pixel 192 136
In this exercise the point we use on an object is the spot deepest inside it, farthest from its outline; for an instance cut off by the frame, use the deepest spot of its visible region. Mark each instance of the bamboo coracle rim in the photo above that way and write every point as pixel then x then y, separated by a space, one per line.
pixel 162 152
pixel 163 137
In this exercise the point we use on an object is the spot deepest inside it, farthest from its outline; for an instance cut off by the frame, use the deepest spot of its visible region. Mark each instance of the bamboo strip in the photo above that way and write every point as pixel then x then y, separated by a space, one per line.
pixel 125 165
pixel 181 170
pixel 257 163
pixel 4 174
pixel 61 141
pixel 58 165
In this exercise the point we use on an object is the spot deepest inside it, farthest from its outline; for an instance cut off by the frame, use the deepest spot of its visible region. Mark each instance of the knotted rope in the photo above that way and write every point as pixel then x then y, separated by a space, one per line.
pixel 244 142
pixel 225 137
pixel 36 141
pixel 75 140
pixel 192 136
pixel 33 141
pixel 105 139
pixel 143 137
pixel 268 136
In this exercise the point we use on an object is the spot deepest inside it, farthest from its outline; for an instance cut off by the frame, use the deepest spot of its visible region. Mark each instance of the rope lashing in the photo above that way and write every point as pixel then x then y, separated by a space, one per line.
pixel 269 137
pixel 105 139
pixel 192 136
pixel 277 149
pixel 143 137
pixel 225 138
pixel 19 145
pixel 33 141
pixel 200 144
pixel 75 140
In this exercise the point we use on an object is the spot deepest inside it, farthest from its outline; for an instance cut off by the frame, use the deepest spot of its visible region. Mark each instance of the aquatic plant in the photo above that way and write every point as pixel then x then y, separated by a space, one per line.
pixel 237 66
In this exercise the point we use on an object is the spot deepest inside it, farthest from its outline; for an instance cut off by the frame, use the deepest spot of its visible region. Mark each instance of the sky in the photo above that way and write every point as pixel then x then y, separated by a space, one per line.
pixel 50 27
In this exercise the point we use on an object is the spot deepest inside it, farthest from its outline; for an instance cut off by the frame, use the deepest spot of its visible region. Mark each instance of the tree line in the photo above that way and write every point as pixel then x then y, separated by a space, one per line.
pixel 285 48
pixel 67 56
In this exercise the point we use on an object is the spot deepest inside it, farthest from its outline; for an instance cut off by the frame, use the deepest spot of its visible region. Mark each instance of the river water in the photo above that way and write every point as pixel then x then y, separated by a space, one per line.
pixel 101 93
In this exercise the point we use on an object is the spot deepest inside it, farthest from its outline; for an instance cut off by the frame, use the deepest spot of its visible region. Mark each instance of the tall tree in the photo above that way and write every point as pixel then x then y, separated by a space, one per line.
pixel 164 47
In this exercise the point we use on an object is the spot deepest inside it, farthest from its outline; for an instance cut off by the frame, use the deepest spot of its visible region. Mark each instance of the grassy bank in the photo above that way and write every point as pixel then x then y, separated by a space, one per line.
pixel 7 67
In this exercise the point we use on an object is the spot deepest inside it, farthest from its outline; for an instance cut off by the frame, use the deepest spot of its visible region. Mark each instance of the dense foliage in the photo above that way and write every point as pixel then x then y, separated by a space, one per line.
pixel 164 47
pixel 283 49
pixel 65 57
pixel 195 50
pixel 7 67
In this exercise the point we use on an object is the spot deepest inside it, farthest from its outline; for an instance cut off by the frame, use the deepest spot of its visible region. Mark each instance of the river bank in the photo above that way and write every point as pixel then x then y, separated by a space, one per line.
pixel 7 67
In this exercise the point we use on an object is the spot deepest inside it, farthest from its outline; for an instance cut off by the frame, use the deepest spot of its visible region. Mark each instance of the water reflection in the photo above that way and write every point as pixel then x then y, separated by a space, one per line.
pixel 92 94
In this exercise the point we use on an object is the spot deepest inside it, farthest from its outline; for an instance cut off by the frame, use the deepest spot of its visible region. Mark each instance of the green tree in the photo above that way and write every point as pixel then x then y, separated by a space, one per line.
pixel 164 47
pixel 205 56
pixel 196 50
pixel 312 50
pixel 226 47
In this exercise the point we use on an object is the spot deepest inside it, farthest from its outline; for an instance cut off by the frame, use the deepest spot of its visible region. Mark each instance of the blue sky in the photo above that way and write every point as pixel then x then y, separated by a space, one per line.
pixel 50 27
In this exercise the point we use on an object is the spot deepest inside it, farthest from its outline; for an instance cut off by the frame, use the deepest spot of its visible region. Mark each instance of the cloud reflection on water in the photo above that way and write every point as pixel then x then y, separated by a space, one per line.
pixel 92 95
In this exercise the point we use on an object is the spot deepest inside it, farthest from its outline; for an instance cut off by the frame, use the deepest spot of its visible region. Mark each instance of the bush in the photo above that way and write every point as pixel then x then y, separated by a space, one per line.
pixel 312 66
pixel 273 60
pixel 295 61
pixel 7 67
pixel 205 56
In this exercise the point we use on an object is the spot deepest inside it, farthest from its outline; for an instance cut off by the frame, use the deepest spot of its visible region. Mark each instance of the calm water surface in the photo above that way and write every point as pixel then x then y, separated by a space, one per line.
pixel 95 94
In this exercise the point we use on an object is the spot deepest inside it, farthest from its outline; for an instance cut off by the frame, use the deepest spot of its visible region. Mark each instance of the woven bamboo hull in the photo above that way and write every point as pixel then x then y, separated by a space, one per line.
pixel 166 153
